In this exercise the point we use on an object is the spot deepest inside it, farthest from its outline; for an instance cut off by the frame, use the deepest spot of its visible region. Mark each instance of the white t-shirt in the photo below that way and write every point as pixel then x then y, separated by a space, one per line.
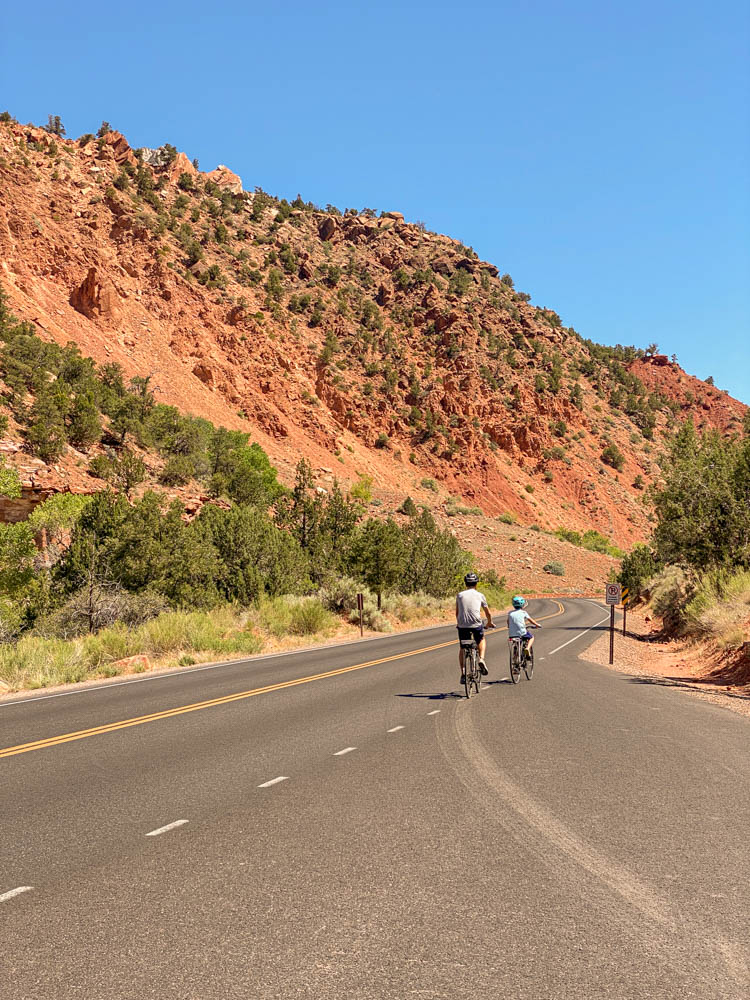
pixel 517 624
pixel 470 603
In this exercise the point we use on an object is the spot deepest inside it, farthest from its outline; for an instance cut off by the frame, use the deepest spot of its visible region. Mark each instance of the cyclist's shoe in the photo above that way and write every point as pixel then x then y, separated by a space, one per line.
pixel 463 678
pixel 483 668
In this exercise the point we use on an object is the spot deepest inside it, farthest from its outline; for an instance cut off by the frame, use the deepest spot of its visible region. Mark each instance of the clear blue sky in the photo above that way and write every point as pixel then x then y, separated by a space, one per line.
pixel 598 152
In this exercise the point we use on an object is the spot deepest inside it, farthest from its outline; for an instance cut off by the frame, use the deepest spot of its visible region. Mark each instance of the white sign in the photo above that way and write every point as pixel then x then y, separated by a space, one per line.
pixel 612 593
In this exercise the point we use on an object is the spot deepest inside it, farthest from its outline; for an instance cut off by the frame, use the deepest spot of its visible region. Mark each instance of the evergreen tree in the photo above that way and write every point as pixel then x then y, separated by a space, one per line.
pixel 46 431
pixel 104 128
pixel 55 126
pixel 378 555
pixel 84 423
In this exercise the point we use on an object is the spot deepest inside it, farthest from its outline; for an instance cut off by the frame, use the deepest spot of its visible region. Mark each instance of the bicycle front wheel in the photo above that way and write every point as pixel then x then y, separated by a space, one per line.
pixel 528 664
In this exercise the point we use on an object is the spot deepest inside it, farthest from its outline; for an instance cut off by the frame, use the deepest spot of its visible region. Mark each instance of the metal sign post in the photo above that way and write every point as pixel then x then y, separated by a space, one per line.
pixel 612 596
pixel 360 608
pixel 624 598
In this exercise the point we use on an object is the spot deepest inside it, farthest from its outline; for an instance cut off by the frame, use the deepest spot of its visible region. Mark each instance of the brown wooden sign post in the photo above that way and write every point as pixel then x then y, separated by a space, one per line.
pixel 360 608
pixel 612 598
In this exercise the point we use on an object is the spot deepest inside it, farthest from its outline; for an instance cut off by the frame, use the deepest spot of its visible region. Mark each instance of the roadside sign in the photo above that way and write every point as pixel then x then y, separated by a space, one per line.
pixel 624 595
pixel 360 601
pixel 360 608
pixel 612 593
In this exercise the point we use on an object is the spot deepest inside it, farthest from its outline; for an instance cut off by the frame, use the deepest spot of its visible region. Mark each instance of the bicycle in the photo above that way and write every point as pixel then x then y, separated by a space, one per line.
pixel 521 658
pixel 472 674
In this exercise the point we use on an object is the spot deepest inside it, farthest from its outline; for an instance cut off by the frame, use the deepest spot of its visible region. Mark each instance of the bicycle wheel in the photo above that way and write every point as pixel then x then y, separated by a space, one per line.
pixel 528 663
pixel 477 674
pixel 515 666
pixel 469 655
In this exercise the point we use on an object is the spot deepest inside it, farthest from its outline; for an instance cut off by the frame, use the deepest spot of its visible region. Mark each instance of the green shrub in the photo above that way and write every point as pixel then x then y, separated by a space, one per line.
pixel 340 594
pixel 362 489
pixel 506 518
pixel 408 507
pixel 555 568
pixel 429 484
pixel 637 567
pixel 613 457
pixel 309 617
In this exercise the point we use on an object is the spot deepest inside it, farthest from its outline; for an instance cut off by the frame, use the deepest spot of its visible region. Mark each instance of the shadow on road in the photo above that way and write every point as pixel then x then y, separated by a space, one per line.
pixel 446 695
pixel 694 684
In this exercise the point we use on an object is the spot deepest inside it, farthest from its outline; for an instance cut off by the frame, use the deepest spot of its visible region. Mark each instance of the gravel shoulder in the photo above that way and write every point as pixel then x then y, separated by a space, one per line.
pixel 694 667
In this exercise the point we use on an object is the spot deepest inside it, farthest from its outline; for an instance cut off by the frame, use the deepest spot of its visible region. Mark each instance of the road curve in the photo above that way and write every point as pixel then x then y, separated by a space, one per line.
pixel 340 823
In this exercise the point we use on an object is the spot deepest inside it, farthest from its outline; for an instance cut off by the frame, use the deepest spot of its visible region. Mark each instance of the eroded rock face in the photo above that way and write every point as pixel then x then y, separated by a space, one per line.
pixel 226 179
pixel 327 228
pixel 181 165
pixel 96 297
pixel 120 148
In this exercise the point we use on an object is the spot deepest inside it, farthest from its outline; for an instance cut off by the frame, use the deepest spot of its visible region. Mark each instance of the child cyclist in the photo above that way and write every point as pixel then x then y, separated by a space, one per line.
pixel 517 622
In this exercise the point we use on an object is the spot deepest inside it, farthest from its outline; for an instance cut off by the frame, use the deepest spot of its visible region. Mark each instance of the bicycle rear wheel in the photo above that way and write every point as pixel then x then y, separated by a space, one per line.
pixel 515 666
pixel 469 667
pixel 477 674
pixel 528 663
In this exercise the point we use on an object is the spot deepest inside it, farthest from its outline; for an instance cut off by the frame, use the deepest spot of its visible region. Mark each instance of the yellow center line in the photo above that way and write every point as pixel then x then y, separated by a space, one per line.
pixel 169 713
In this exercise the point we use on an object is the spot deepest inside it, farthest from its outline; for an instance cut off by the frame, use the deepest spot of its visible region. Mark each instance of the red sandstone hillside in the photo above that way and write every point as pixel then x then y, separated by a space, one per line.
pixel 366 345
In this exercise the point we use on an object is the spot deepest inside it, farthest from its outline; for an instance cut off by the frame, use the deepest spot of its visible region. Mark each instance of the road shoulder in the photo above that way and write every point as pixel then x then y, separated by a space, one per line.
pixel 684 666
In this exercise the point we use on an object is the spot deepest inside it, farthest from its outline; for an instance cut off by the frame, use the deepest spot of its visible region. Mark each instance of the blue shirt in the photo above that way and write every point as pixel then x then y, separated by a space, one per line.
pixel 517 624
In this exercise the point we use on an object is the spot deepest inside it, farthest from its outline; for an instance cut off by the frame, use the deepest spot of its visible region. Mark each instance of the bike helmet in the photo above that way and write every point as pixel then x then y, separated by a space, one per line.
pixel 471 579
pixel 519 602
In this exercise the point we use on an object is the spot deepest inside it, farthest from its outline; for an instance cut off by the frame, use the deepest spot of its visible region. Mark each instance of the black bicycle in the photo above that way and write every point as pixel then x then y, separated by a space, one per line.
pixel 472 674
pixel 521 658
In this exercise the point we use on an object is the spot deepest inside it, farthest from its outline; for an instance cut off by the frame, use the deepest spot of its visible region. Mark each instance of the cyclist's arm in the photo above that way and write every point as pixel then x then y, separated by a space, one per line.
pixel 456 609
pixel 487 615
pixel 533 622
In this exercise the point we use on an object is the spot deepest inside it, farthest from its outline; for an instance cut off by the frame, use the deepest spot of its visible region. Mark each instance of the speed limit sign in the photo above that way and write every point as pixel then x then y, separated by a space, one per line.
pixel 612 594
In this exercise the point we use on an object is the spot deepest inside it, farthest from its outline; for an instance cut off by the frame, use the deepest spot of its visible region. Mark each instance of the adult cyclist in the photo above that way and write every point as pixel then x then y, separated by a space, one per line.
pixel 470 604
pixel 517 622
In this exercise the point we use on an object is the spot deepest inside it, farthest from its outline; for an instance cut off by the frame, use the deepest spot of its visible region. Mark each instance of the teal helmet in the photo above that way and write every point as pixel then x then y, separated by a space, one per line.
pixel 519 602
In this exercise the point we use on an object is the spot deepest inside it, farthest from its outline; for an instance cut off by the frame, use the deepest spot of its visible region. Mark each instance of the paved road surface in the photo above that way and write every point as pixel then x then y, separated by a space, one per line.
pixel 583 835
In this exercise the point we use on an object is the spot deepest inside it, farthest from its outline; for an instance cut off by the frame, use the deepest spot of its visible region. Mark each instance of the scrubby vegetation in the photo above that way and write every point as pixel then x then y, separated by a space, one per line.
pixel 696 572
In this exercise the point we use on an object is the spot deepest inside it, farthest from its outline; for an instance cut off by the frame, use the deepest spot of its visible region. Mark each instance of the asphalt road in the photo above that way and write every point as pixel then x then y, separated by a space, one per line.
pixel 583 835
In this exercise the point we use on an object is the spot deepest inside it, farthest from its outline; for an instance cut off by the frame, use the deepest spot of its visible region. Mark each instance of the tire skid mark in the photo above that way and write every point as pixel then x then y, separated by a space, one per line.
pixel 486 782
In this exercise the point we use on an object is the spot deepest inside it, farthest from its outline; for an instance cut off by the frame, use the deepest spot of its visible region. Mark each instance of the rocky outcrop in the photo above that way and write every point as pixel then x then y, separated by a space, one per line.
pixel 181 165
pixel 224 178
pixel 96 297
pixel 120 148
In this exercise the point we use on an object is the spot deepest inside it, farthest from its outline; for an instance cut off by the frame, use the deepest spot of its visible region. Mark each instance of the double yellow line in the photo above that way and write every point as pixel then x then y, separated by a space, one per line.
pixel 170 713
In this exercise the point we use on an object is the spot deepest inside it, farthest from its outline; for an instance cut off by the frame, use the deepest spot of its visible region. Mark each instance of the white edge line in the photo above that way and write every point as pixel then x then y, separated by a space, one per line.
pixel 435 711
pixel 340 753
pixel 184 672
pixel 165 829
pixel 15 892
pixel 395 729
pixel 274 781
pixel 577 636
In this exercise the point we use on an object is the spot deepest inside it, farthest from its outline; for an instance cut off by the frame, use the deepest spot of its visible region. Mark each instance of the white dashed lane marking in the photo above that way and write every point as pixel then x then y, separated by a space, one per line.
pixel 274 781
pixel 167 828
pixel 395 729
pixel 578 636
pixel 340 753
pixel 15 892
pixel 435 711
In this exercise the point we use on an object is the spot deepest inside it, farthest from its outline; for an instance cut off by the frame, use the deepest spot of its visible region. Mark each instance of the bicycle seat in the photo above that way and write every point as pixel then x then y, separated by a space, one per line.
pixel 467 643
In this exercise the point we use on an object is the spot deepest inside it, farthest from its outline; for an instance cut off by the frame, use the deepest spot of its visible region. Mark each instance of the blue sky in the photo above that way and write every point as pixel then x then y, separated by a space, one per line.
pixel 598 152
